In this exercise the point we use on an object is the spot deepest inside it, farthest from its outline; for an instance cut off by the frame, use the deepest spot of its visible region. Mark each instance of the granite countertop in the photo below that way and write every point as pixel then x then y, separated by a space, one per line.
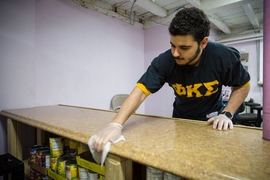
pixel 188 148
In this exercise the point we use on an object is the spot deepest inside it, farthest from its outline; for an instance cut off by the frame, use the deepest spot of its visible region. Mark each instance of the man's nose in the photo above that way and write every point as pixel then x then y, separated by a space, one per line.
pixel 176 53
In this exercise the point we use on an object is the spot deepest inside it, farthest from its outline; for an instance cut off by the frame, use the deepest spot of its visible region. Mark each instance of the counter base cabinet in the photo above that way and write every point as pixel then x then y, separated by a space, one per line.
pixel 185 148
pixel 117 168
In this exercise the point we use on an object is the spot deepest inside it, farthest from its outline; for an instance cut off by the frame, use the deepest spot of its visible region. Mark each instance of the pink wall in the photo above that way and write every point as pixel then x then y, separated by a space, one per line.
pixel 89 57
pixel 157 41
pixel 57 52
pixel 253 68
pixel 17 59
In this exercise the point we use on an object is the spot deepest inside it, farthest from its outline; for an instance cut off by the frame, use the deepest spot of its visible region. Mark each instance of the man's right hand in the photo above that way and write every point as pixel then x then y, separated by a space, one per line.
pixel 109 134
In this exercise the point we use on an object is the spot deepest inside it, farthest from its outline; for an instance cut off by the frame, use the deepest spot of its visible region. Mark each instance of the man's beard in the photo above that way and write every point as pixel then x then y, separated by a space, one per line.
pixel 192 58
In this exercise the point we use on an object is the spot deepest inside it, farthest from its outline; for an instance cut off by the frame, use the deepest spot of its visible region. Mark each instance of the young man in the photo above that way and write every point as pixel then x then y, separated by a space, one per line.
pixel 196 69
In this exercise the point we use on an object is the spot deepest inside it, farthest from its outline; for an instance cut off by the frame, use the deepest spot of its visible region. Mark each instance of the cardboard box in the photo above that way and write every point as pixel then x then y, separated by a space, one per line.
pixel 55 175
pixel 86 160
pixel 37 167
pixel 81 147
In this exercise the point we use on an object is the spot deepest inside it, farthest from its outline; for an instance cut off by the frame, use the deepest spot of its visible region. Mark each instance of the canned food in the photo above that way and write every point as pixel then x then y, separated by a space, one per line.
pixel 39 153
pixel 81 148
pixel 66 146
pixel 33 152
pixel 61 165
pixel 72 148
pixel 83 173
pixel 56 147
pixel 38 176
pixel 53 163
pixel 71 170
pixel 169 176
pixel 32 173
pixel 92 175
pixel 46 159
pixel 153 173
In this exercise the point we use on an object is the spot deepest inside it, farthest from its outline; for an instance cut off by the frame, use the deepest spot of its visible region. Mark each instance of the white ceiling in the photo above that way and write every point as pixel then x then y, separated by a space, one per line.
pixel 228 17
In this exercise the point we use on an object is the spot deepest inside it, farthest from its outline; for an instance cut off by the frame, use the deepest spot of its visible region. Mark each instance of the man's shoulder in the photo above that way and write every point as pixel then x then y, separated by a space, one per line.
pixel 215 45
pixel 222 47
pixel 219 49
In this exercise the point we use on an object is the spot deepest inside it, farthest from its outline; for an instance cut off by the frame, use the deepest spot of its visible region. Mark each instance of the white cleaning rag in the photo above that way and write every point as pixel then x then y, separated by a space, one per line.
pixel 97 156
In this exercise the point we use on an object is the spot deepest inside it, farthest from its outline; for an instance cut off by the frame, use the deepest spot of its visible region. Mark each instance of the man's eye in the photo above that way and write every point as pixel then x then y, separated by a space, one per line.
pixel 184 48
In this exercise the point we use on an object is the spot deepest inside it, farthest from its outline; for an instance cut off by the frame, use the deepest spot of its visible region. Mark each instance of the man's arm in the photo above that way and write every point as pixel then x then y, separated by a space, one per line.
pixel 114 129
pixel 129 106
pixel 237 97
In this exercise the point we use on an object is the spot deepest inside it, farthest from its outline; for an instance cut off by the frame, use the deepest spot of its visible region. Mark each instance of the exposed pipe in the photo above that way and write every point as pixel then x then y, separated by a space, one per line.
pixel 241 41
pixel 244 38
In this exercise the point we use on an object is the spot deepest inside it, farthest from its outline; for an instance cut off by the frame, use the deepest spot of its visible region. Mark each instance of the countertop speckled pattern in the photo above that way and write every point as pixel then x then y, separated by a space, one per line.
pixel 191 149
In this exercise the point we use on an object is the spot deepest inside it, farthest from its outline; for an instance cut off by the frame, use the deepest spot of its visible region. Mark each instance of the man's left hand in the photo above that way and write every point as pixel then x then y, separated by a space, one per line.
pixel 221 122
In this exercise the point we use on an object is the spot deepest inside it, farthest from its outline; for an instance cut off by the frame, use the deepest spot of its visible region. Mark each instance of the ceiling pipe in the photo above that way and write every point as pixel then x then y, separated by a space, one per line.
pixel 242 41
pixel 243 38
pixel 152 7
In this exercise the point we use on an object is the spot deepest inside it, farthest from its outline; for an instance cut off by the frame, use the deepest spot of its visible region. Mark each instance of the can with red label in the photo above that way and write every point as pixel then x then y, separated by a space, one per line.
pixel 32 173
pixel 46 159
pixel 39 153
pixel 33 151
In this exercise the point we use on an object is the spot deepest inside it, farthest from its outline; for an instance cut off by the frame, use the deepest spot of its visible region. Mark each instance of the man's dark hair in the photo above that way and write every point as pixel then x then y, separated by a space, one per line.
pixel 190 21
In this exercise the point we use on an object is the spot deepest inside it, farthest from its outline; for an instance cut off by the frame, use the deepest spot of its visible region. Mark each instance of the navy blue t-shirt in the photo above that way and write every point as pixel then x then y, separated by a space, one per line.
pixel 197 89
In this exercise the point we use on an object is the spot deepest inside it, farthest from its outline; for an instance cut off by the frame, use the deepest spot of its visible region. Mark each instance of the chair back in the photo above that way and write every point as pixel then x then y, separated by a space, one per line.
pixel 117 101
pixel 241 108
pixel 250 118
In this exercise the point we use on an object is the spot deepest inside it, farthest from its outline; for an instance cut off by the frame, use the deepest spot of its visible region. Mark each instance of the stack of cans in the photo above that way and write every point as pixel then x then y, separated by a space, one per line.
pixel 40 155
pixel 60 157
pixel 63 156
pixel 156 174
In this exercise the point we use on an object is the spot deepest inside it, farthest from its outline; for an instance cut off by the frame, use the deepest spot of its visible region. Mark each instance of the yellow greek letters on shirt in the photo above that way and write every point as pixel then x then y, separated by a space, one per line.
pixel 179 89
pixel 190 90
pixel 210 89
pixel 195 90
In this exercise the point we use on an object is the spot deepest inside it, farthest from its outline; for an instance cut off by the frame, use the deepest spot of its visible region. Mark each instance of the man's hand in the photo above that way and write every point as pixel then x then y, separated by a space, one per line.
pixel 109 134
pixel 221 122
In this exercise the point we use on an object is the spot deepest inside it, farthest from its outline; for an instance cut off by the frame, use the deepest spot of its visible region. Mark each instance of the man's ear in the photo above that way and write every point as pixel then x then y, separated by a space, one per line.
pixel 204 42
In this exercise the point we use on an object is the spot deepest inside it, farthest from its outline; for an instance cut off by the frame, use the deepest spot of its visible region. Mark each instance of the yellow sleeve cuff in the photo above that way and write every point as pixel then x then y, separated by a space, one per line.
pixel 143 88
pixel 245 85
